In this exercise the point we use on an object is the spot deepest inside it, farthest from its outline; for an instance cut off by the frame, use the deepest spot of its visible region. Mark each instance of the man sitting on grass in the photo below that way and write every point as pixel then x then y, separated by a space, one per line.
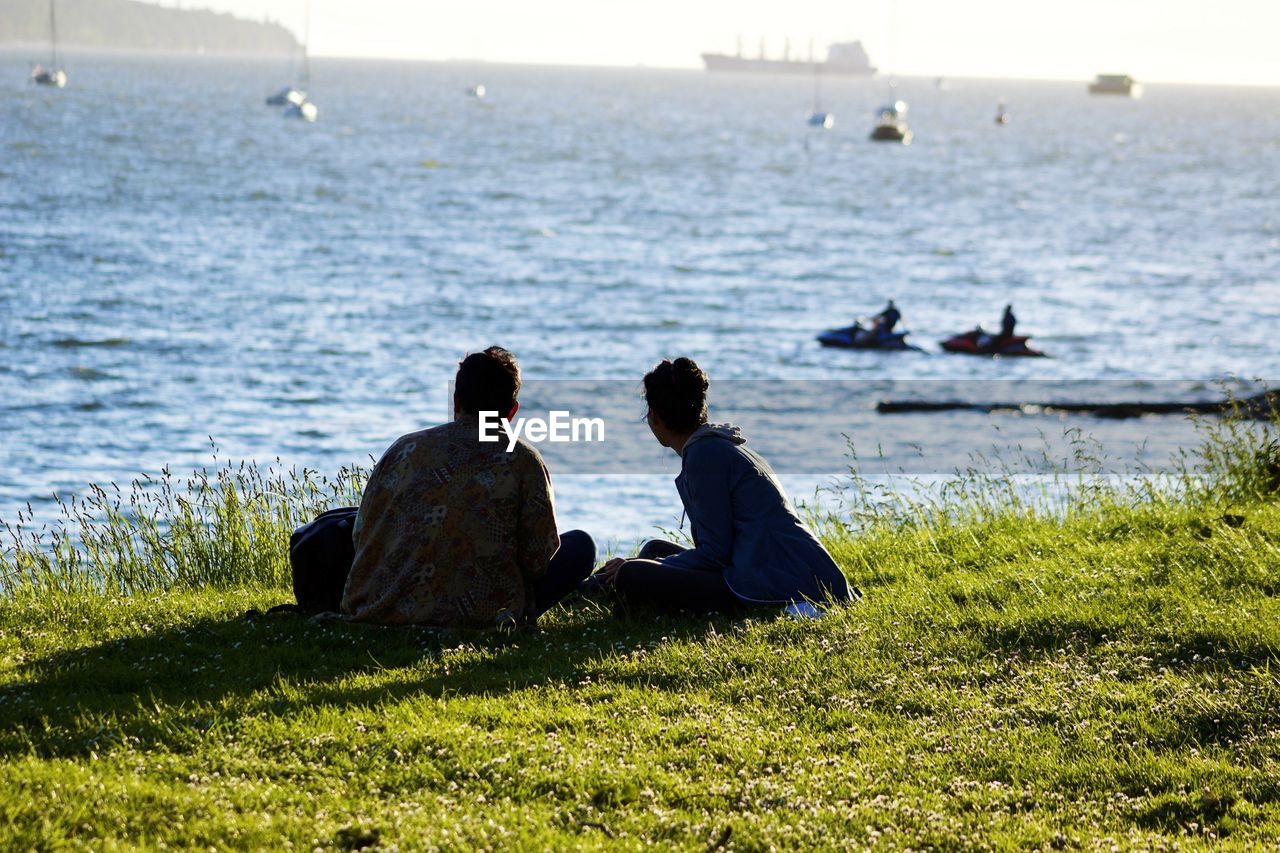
pixel 456 532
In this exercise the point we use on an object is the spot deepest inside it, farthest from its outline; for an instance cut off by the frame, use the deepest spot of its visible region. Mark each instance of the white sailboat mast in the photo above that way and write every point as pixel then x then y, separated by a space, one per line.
pixel 53 34
pixel 817 71
pixel 306 51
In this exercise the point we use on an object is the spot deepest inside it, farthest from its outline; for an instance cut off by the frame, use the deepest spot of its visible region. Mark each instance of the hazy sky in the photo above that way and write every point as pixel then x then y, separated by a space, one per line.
pixel 1154 40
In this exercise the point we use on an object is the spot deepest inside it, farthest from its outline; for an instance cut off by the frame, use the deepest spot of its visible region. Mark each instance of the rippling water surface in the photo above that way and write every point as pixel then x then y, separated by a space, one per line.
pixel 178 262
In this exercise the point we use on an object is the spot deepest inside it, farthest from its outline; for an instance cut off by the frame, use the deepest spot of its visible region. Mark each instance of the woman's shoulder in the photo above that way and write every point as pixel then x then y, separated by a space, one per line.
pixel 717 437
pixel 717 449
pixel 712 446
pixel 730 456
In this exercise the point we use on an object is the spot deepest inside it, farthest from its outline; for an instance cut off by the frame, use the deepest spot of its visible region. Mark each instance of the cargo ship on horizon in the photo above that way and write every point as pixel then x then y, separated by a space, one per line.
pixel 848 58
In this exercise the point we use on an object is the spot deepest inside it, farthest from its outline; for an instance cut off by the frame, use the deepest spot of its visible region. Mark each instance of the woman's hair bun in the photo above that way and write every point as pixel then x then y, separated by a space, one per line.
pixel 689 378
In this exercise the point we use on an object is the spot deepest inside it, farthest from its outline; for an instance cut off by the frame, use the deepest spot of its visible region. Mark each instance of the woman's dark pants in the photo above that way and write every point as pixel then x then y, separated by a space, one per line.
pixel 649 583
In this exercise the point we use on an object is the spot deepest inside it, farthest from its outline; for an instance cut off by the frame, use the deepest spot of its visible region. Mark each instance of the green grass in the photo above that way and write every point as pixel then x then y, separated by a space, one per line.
pixel 1098 675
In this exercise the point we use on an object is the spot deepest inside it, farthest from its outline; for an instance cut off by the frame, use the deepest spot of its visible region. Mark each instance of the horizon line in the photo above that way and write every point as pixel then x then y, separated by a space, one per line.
pixel 17 47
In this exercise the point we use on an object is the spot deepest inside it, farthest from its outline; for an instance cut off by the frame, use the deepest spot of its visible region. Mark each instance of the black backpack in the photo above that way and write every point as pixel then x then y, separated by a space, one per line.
pixel 320 554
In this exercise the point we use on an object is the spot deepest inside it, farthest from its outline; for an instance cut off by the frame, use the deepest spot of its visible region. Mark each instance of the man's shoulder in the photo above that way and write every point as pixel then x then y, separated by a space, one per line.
pixel 460 432
pixel 525 454
pixel 412 442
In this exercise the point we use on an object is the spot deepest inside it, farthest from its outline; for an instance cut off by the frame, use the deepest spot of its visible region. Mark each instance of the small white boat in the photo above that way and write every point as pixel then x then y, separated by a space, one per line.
pixel 49 76
pixel 291 96
pixel 288 96
pixel 54 75
pixel 1002 115
pixel 891 124
pixel 305 110
pixel 818 117
pixel 299 106
pixel 1116 84
pixel 476 91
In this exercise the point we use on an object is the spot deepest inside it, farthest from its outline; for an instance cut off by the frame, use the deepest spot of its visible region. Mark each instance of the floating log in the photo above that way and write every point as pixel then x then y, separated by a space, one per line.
pixel 1259 406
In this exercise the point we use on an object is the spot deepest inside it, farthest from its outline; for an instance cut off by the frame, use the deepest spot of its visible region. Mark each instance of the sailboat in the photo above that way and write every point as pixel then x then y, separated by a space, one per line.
pixel 891 119
pixel 286 97
pixel 476 89
pixel 818 117
pixel 54 75
pixel 297 104
pixel 1002 115
pixel 289 95
pixel 891 124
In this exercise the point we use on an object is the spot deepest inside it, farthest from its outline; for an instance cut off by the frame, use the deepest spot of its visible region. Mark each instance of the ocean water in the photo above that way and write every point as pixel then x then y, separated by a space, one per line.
pixel 180 264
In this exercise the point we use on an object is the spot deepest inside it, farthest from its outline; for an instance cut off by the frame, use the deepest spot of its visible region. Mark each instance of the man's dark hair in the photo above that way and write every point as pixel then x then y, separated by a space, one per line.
pixel 487 382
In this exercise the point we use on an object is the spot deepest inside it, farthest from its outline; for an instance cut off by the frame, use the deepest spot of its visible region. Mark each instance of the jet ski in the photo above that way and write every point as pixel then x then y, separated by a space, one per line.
pixel 859 336
pixel 978 342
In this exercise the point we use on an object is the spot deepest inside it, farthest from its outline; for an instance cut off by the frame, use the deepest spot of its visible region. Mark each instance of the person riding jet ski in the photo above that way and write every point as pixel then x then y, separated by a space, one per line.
pixel 882 324
pixel 1007 322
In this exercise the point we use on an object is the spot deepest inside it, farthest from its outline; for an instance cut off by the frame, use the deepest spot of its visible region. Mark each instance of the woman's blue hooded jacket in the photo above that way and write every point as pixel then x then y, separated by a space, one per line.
pixel 743 524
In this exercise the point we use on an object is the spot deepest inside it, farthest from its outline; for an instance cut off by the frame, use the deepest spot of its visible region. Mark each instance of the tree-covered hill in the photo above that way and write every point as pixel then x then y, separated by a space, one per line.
pixel 130 25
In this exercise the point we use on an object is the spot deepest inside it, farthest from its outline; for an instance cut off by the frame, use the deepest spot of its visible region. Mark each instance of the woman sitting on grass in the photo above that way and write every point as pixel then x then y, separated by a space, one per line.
pixel 750 547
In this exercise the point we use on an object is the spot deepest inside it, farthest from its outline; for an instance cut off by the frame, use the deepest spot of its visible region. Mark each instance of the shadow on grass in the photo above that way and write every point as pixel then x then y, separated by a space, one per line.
pixel 155 688
pixel 1193 649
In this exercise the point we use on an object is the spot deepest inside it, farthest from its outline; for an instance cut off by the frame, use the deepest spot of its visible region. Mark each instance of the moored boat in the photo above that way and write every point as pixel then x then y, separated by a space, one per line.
pixel 296 103
pixel 818 117
pixel 891 124
pixel 54 75
pixel 1116 84
pixel 288 96
pixel 304 110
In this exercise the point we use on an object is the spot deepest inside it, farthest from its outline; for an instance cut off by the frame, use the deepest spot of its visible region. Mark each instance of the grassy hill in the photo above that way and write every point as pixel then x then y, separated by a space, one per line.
pixel 131 25
pixel 1098 673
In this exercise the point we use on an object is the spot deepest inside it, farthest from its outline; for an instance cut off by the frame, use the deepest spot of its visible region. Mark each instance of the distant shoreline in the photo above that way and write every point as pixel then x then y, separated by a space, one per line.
pixel 39 52
pixel 141 26
pixel 35 51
